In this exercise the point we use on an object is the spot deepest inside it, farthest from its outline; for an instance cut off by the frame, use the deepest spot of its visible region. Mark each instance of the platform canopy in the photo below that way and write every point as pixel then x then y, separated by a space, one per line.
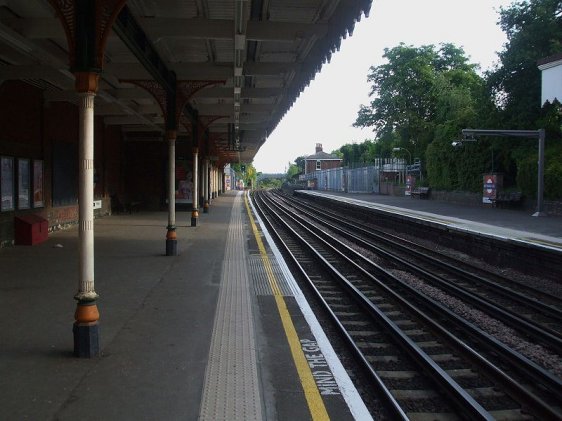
pixel 263 52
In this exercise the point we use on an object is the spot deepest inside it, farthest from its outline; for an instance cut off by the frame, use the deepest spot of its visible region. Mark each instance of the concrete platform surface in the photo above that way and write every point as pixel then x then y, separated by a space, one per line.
pixel 512 224
pixel 156 316
pixel 158 321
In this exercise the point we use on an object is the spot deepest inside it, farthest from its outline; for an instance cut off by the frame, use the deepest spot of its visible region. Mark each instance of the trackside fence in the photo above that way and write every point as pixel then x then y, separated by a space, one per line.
pixel 365 179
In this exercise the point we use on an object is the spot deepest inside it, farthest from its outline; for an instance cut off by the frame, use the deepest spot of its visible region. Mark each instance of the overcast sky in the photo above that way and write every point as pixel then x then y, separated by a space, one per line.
pixel 325 111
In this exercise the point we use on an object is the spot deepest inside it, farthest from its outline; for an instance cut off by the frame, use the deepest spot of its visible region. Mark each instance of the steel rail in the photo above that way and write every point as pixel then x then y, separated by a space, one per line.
pixel 410 248
pixel 517 361
pixel 462 400
pixel 523 324
pixel 390 402
pixel 384 235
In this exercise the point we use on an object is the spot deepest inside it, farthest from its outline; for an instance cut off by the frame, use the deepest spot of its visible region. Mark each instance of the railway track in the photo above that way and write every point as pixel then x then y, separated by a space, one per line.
pixel 530 311
pixel 511 255
pixel 425 361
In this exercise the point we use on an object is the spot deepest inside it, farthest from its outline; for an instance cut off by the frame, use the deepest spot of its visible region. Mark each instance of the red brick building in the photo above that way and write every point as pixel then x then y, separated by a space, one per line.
pixel 321 161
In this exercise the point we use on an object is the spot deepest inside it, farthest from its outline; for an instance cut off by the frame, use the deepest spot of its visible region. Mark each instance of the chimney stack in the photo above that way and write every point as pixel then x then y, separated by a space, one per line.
pixel 318 147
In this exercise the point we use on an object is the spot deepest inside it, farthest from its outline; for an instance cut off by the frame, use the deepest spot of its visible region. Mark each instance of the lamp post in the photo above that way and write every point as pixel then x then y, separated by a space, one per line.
pixel 404 149
pixel 397 149
pixel 468 135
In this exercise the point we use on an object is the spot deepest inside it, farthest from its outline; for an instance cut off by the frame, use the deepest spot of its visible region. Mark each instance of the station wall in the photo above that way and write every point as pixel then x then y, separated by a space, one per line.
pixel 39 139
pixel 43 136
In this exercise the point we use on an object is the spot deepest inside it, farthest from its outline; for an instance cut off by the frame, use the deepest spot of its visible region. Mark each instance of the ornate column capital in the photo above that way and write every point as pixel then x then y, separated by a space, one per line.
pixel 76 18
pixel 86 82
pixel 171 135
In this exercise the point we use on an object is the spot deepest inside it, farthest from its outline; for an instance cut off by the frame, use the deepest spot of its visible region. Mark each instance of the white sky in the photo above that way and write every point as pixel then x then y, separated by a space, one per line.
pixel 325 111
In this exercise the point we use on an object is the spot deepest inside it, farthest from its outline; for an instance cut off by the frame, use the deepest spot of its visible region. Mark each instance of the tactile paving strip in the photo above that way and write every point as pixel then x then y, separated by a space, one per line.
pixel 259 278
pixel 231 389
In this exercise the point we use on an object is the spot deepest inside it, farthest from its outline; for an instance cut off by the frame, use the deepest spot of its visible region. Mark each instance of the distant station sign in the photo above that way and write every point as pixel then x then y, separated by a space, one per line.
pixel 410 184
pixel 491 184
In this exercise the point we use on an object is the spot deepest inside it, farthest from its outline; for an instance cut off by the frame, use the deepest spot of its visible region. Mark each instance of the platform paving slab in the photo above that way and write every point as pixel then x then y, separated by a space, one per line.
pixel 155 325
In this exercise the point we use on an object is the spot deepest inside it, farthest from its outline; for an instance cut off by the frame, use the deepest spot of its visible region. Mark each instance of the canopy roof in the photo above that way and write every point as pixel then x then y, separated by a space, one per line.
pixel 321 155
pixel 260 53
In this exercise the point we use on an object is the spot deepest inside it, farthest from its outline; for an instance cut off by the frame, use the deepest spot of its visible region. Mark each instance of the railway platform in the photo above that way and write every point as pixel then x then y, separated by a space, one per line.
pixel 220 332
pixel 507 225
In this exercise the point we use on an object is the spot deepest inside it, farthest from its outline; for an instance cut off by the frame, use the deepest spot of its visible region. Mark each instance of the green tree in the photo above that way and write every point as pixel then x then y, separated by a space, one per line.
pixel 300 162
pixel 270 183
pixel 357 154
pixel 293 172
pixel 424 95
pixel 251 176
pixel 337 153
pixel 352 154
pixel 246 172
pixel 534 31
pixel 402 90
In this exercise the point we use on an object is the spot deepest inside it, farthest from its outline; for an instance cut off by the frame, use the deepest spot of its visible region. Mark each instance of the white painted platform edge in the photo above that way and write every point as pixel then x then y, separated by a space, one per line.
pixel 346 386
pixel 464 225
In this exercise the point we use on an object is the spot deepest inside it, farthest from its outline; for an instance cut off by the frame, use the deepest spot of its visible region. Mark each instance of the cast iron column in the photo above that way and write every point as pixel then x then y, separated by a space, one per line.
pixel 212 181
pixel 171 238
pixel 195 192
pixel 206 185
pixel 86 330
pixel 216 182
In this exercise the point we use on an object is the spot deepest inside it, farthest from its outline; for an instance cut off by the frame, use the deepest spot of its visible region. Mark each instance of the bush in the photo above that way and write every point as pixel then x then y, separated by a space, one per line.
pixel 527 172
pixel 527 176
pixel 553 179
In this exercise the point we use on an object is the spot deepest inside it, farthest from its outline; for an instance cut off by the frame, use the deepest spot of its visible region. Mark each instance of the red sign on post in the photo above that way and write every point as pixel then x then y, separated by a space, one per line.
pixel 410 184
pixel 491 184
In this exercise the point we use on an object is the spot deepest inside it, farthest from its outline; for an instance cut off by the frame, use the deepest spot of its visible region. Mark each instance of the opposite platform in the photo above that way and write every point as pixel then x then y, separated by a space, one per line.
pixel 504 224
pixel 194 336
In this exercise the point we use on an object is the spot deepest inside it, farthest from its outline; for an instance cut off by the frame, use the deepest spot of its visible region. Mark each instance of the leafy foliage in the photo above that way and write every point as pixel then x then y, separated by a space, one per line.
pixel 246 172
pixel 534 31
pixel 293 172
pixel 300 162
pixel 423 96
pixel 359 153
pixel 270 183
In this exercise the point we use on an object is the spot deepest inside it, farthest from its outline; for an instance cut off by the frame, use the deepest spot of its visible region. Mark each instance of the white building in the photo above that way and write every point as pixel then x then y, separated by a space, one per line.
pixel 551 71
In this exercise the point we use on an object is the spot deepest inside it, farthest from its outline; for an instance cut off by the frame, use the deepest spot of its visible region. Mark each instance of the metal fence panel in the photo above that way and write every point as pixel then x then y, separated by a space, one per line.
pixel 330 180
pixel 363 180
pixel 352 180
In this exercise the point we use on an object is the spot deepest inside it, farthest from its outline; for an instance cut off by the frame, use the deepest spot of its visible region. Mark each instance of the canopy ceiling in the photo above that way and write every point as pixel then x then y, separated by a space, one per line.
pixel 261 53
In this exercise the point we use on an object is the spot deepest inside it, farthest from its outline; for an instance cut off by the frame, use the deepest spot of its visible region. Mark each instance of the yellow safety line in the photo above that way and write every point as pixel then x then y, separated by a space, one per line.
pixel 311 392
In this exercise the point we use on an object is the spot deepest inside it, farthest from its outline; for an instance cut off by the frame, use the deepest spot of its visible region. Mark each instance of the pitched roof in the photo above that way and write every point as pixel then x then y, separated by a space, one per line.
pixel 550 59
pixel 321 155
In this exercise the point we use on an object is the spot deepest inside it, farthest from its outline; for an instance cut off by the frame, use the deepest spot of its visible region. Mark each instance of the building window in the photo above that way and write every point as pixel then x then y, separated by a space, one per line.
pixel 318 165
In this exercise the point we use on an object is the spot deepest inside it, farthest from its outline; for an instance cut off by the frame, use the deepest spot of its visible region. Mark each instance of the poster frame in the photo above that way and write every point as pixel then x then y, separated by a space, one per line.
pixel 38 184
pixel 24 184
pixel 7 202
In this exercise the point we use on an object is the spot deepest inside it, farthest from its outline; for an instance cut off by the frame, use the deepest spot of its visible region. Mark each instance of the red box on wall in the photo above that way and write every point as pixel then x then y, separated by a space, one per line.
pixel 30 229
